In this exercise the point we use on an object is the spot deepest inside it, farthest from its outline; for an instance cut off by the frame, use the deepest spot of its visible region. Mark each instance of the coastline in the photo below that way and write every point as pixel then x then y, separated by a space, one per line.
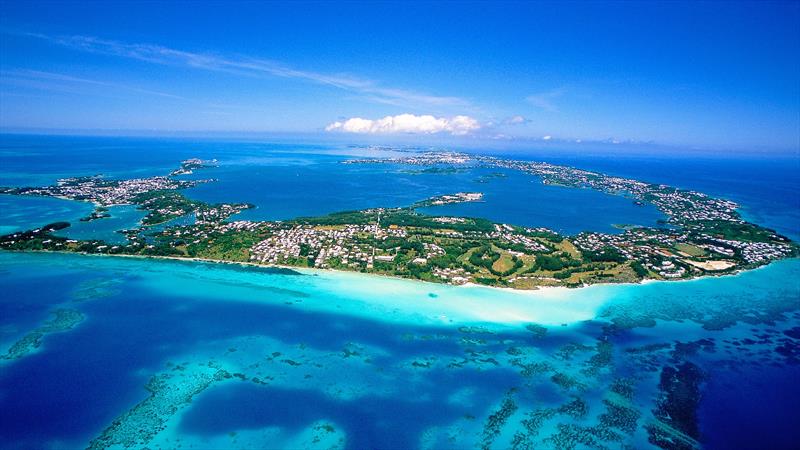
pixel 317 272
pixel 777 246
pixel 398 300
pixel 309 270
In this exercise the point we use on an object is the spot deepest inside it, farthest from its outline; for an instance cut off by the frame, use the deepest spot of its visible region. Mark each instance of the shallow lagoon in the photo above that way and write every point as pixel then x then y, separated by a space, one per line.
pixel 319 184
pixel 20 213
pixel 285 181
pixel 123 217
pixel 316 359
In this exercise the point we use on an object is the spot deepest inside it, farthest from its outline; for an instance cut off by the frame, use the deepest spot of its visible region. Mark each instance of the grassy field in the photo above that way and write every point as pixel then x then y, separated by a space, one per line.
pixel 506 262
pixel 691 250
pixel 570 248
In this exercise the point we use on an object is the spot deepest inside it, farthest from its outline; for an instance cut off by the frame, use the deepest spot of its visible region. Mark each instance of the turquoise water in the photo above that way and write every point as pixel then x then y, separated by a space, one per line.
pixel 317 184
pixel 518 198
pixel 766 186
pixel 286 181
pixel 123 217
pixel 197 355
pixel 25 213
pixel 329 354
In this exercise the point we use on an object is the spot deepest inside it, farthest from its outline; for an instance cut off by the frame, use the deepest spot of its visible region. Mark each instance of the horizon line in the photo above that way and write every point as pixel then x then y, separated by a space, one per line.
pixel 408 140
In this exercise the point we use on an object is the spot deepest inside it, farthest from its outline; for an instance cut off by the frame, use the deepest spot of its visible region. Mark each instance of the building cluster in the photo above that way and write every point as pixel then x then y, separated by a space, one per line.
pixel 190 165
pixel 451 220
pixel 432 250
pixel 203 232
pixel 666 269
pixel 677 204
pixel 633 244
pixel 508 234
pixel 458 197
pixel 218 213
pixel 688 209
pixel 688 206
pixel 597 242
pixel 240 226
pixel 364 246
pixel 348 244
pixel 751 252
pixel 105 192
pixel 101 191
pixel 455 275
pixel 681 206
pixel 306 240
pixel 419 159
pixel 650 249
pixel 656 250
pixel 160 212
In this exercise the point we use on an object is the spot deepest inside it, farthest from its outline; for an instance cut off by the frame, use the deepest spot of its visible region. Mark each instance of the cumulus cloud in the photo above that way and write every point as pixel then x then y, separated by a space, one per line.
pixel 407 123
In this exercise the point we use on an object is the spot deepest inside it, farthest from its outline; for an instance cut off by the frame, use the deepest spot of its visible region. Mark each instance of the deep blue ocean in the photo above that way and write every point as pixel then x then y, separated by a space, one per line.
pixel 333 360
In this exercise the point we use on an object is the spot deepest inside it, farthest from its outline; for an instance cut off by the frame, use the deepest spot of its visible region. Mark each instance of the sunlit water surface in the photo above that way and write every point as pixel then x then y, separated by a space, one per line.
pixel 220 356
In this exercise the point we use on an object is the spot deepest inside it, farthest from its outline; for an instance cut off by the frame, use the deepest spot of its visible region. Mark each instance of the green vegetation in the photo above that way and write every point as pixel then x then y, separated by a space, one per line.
pixel 434 171
pixel 339 218
pixel 56 226
pixel 609 254
pixel 225 247
pixel 484 257
pixel 691 250
pixel 545 262
pixel 735 231
pixel 639 269
pixel 165 205
pixel 406 243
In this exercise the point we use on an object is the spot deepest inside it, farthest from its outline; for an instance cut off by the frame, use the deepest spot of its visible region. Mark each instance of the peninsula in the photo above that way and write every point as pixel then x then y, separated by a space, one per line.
pixel 701 235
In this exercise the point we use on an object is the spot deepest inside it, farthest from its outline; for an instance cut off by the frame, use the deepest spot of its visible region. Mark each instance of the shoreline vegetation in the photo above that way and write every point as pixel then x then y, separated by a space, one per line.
pixel 298 270
pixel 702 236
pixel 312 271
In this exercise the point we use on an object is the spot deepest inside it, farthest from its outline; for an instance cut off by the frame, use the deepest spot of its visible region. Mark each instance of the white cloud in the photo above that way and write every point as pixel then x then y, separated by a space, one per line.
pixel 545 100
pixel 547 138
pixel 252 67
pixel 407 123
pixel 57 81
pixel 516 120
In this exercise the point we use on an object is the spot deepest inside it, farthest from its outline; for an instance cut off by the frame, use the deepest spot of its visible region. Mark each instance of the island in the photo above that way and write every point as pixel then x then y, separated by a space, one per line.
pixel 701 235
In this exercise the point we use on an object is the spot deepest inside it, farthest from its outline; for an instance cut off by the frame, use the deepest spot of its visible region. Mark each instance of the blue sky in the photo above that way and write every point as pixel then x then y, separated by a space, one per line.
pixel 710 75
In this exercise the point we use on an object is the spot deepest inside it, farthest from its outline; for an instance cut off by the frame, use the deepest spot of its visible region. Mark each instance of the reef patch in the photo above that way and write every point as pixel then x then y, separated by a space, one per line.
pixel 63 320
